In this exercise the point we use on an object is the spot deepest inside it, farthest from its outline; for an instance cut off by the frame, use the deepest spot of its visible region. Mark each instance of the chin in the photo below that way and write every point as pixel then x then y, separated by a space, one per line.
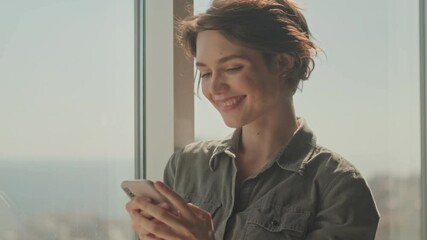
pixel 232 123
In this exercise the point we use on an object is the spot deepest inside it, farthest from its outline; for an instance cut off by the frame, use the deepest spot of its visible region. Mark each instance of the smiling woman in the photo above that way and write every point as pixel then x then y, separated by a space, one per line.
pixel 238 82
pixel 363 100
pixel 270 179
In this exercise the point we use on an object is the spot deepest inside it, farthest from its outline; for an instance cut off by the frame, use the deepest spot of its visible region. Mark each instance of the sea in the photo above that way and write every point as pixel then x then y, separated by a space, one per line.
pixel 41 187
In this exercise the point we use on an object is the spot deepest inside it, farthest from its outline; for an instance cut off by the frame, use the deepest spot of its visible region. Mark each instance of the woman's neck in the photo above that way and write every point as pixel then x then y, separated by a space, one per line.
pixel 263 138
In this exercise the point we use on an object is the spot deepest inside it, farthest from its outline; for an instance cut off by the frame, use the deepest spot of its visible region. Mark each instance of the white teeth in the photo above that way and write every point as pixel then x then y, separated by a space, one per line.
pixel 230 102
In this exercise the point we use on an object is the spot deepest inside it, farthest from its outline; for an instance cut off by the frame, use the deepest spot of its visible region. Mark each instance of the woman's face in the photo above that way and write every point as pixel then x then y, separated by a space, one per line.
pixel 237 81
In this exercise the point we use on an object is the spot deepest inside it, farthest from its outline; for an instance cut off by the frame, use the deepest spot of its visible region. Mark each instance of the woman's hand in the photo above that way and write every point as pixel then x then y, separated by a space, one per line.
pixel 180 221
pixel 133 207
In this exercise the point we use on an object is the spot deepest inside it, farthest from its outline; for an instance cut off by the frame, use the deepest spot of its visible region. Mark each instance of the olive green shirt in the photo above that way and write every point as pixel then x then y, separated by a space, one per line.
pixel 305 192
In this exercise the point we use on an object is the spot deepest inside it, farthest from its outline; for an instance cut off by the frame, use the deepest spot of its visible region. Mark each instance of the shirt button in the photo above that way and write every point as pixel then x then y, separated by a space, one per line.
pixel 274 223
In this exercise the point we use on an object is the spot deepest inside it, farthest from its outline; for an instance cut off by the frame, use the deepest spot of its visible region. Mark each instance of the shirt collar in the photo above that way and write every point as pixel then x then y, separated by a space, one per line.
pixel 295 155
pixel 292 157
pixel 227 146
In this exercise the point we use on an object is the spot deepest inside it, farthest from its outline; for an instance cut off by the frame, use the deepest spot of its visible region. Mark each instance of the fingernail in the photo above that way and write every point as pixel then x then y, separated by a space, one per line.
pixel 159 183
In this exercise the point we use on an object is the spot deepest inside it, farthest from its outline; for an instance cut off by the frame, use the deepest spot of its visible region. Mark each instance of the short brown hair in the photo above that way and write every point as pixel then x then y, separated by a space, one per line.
pixel 270 26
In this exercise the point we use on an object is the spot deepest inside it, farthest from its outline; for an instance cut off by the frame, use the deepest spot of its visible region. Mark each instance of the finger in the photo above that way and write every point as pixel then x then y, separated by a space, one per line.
pixel 131 206
pixel 138 221
pixel 153 229
pixel 203 214
pixel 165 206
pixel 161 213
pixel 137 215
pixel 151 237
pixel 135 206
pixel 175 223
pixel 199 211
pixel 148 237
pixel 179 203
pixel 136 225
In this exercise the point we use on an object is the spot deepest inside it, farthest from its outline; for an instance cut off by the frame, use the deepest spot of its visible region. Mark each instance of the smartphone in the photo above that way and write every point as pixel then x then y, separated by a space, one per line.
pixel 142 188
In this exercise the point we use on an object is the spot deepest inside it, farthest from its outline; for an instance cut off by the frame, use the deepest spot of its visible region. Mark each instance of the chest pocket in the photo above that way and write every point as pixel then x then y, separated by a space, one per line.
pixel 276 223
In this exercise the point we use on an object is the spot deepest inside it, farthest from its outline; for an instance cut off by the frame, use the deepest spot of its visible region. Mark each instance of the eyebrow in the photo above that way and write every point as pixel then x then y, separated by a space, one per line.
pixel 223 59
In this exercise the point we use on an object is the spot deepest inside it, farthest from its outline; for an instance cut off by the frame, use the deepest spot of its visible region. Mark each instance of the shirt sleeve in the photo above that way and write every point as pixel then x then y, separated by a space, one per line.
pixel 346 211
pixel 170 170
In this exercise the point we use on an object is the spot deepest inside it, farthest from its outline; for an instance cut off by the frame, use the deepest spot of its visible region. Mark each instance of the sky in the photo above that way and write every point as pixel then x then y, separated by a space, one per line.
pixel 66 79
pixel 66 82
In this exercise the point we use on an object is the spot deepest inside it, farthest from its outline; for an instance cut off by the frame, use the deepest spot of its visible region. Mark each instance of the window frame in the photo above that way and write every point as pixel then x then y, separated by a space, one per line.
pixel 423 114
pixel 164 104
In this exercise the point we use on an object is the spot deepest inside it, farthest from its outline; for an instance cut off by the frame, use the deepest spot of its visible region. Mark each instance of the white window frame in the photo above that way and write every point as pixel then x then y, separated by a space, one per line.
pixel 423 114
pixel 164 102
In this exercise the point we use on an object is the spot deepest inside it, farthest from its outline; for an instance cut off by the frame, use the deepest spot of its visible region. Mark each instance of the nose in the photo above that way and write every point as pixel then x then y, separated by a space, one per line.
pixel 218 83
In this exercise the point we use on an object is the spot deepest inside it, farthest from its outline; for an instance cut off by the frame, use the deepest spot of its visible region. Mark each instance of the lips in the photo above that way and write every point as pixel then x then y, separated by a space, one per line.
pixel 229 103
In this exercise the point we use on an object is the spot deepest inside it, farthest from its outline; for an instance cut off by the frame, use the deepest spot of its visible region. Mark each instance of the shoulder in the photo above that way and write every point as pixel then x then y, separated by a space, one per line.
pixel 345 202
pixel 336 177
pixel 330 170
pixel 326 161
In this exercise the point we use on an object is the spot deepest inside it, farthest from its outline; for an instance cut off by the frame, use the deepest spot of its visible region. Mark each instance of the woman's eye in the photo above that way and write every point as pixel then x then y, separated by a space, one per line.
pixel 234 69
pixel 205 75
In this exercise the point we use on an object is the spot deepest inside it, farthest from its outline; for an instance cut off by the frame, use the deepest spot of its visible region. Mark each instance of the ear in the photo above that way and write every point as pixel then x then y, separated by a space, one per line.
pixel 285 63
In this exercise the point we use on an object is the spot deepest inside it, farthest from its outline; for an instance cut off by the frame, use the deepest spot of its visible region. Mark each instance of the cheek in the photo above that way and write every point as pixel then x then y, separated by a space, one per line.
pixel 264 89
pixel 205 90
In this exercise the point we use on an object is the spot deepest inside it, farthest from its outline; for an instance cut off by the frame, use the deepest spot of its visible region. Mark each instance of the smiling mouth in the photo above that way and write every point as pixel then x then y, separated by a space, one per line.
pixel 230 103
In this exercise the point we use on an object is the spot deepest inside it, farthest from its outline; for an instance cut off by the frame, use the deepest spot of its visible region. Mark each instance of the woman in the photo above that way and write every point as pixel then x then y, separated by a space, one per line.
pixel 269 180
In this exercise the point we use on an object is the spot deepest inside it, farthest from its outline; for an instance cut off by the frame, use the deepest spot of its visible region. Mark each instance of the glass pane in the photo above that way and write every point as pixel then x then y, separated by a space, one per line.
pixel 66 100
pixel 362 100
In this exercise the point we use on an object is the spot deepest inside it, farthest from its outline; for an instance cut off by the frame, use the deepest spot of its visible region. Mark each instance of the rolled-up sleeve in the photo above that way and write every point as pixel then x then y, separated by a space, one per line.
pixel 346 210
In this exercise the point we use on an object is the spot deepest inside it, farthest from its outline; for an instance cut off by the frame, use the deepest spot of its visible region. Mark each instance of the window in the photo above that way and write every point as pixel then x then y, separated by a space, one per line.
pixel 67 118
